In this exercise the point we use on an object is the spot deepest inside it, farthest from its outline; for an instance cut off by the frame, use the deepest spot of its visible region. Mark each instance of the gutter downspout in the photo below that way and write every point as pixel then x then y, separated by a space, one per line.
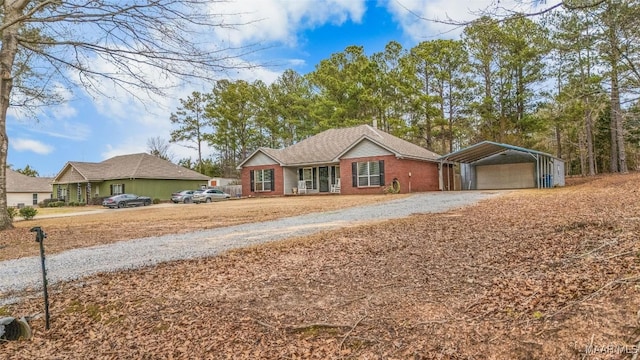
pixel 440 180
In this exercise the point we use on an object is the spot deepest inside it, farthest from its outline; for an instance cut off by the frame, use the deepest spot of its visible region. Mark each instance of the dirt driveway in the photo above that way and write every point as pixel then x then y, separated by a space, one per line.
pixel 19 274
pixel 71 228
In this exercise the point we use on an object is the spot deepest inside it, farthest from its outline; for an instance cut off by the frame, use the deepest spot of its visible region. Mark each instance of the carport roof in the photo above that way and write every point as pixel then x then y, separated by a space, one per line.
pixel 485 149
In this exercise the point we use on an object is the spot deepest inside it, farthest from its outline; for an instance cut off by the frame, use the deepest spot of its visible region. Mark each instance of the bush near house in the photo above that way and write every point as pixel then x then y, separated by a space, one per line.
pixel 47 202
pixel 28 212
pixel 12 212
pixel 56 204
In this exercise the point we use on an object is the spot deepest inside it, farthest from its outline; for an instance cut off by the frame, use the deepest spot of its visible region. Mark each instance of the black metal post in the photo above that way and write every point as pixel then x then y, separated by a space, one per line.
pixel 40 236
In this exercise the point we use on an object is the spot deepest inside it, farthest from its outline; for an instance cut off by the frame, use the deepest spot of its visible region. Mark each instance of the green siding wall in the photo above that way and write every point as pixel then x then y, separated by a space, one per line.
pixel 155 189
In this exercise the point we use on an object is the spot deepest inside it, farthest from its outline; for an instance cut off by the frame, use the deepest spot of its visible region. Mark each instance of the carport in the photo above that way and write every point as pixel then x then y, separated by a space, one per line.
pixel 490 165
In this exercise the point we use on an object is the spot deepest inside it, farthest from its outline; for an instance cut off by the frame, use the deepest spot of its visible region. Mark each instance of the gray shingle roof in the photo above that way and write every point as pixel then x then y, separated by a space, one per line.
pixel 329 145
pixel 20 183
pixel 135 166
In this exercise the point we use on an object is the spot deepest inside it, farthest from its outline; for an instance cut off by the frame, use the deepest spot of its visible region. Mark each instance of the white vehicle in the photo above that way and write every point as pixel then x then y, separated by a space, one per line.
pixel 210 195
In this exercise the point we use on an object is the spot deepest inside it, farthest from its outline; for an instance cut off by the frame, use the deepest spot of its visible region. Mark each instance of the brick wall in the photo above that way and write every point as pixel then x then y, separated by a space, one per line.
pixel 424 175
pixel 278 175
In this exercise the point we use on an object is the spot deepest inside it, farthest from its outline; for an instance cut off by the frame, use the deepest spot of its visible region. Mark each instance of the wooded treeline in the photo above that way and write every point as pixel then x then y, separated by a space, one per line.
pixel 565 83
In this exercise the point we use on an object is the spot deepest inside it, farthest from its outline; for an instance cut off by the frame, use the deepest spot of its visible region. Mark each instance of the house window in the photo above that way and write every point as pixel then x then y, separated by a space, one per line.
pixel 62 193
pixel 35 199
pixel 307 177
pixel 368 173
pixel 117 189
pixel 263 180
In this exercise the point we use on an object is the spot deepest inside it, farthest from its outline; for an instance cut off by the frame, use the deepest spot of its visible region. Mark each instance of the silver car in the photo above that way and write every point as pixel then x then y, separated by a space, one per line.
pixel 210 195
pixel 184 196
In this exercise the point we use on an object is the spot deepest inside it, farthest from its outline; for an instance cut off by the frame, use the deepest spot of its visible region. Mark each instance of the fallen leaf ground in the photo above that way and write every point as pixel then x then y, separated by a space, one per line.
pixel 539 274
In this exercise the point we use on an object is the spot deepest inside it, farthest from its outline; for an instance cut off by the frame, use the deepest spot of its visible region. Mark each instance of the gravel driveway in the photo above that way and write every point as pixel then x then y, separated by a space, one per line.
pixel 21 274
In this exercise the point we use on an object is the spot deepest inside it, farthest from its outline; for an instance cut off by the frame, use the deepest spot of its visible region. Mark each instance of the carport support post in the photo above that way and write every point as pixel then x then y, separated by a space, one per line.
pixel 40 236
pixel 538 171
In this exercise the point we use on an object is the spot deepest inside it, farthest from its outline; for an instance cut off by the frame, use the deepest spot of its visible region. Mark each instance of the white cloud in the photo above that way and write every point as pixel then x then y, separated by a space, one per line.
pixel 280 20
pixel 258 73
pixel 414 15
pixel 31 145
pixel 70 130
pixel 40 110
pixel 55 120
pixel 64 111
pixel 122 149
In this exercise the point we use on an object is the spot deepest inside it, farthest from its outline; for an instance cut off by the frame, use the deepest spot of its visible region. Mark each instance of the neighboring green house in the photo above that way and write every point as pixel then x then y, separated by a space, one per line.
pixel 140 174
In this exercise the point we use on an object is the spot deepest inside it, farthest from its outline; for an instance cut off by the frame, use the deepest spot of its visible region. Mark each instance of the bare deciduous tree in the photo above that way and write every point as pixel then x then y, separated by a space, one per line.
pixel 159 147
pixel 141 45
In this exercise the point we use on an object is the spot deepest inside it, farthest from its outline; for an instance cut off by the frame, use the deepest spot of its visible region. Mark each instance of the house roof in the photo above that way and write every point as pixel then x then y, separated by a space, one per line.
pixel 328 146
pixel 485 149
pixel 133 166
pixel 20 183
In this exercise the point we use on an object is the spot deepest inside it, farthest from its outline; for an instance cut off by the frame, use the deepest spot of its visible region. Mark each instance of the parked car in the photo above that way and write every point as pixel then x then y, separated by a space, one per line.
pixel 126 200
pixel 210 195
pixel 184 196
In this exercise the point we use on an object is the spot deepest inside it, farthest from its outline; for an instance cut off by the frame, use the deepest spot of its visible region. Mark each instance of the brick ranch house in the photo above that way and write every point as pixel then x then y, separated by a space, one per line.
pixel 355 160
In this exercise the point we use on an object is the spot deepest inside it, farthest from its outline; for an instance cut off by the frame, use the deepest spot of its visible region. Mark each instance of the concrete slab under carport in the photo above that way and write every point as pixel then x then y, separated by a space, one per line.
pixel 489 165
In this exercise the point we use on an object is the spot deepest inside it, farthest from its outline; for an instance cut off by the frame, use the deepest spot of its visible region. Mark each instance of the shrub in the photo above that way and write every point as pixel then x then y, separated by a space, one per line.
pixel 97 200
pixel 28 212
pixel 12 212
pixel 47 202
pixel 156 201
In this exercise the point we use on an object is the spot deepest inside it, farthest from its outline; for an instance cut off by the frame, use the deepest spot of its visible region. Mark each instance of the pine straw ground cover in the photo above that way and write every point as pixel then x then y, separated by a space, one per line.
pixel 540 274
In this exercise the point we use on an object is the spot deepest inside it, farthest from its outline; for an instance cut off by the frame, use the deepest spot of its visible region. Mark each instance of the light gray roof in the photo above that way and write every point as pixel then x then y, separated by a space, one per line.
pixel 20 183
pixel 133 166
pixel 328 146
pixel 485 149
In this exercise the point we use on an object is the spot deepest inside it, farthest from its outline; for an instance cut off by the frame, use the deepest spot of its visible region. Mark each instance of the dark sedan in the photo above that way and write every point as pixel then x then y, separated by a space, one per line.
pixel 126 200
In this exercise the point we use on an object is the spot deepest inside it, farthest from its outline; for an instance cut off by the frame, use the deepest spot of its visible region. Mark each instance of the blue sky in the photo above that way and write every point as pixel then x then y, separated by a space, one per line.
pixel 297 35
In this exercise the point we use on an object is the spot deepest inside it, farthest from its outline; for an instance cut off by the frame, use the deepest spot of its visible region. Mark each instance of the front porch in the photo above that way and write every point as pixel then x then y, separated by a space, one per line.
pixel 315 179
pixel 77 192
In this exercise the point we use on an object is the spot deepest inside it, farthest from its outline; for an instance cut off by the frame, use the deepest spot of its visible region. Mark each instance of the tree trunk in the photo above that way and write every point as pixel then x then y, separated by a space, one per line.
pixel 487 103
pixel 618 153
pixel 8 51
pixel 451 109
pixel 589 138
pixel 581 151
pixel 617 136
pixel 558 141
pixel 427 124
